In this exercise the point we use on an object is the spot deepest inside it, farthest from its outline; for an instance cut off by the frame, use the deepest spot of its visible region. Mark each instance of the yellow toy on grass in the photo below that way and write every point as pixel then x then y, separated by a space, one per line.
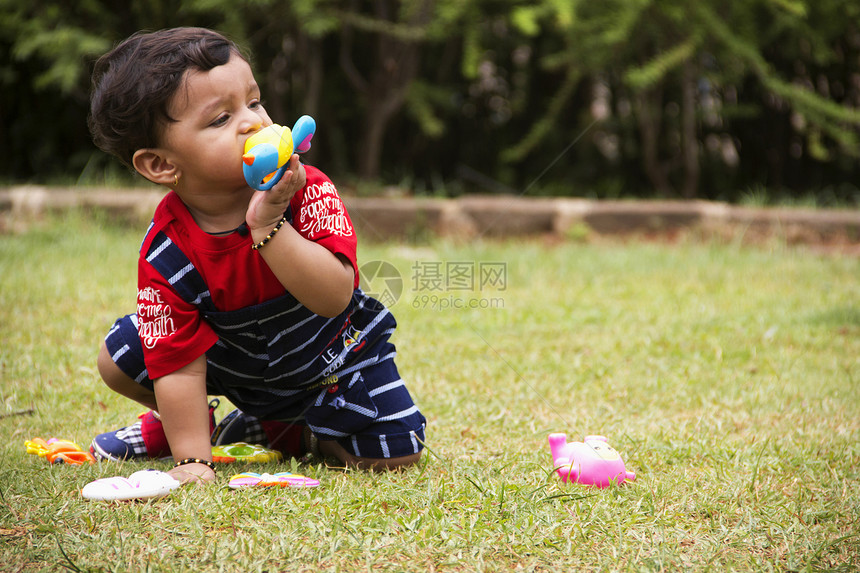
pixel 244 452
pixel 58 451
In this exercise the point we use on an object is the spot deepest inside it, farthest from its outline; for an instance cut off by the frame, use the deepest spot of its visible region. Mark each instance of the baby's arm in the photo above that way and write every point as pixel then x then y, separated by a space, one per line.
pixel 184 411
pixel 319 279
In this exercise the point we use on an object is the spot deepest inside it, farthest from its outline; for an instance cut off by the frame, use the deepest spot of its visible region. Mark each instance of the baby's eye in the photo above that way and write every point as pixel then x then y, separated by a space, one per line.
pixel 256 104
pixel 220 120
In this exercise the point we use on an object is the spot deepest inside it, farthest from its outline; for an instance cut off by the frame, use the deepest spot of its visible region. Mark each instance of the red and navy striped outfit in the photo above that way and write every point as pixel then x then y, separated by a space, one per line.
pixel 267 353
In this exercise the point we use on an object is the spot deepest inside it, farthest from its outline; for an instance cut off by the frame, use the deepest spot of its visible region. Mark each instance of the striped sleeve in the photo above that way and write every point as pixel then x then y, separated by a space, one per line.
pixel 172 330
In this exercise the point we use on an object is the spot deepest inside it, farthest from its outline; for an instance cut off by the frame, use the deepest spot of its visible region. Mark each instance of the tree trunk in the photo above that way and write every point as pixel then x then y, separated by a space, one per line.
pixel 689 140
pixel 395 67
pixel 314 74
pixel 386 96
pixel 649 114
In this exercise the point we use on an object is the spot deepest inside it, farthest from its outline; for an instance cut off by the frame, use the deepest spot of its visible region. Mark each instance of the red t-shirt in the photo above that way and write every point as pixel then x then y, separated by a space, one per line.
pixel 172 330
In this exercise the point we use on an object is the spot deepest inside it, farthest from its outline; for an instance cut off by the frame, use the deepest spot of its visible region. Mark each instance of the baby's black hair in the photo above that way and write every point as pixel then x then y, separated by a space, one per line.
pixel 134 83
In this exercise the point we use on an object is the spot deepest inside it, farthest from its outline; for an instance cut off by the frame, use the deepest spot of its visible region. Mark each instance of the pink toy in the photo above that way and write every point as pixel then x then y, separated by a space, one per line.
pixel 281 479
pixel 592 462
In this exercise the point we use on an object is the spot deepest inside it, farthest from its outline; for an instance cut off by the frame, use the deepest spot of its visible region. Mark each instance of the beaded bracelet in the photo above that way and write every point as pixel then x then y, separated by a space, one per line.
pixel 271 234
pixel 206 463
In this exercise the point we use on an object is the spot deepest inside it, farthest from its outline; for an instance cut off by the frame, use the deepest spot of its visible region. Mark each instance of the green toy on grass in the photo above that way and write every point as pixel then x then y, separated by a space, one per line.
pixel 244 452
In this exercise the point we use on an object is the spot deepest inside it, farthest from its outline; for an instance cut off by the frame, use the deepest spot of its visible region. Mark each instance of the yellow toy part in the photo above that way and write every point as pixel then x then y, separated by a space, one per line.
pixel 244 452
pixel 58 451
pixel 267 152
pixel 266 155
pixel 41 448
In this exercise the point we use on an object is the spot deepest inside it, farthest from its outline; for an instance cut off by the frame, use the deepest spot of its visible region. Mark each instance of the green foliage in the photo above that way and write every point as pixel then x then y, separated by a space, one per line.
pixel 659 67
pixel 839 121
pixel 421 101
pixel 472 52
pixel 545 124
pixel 316 21
pixel 512 83
pixel 50 37
pixel 658 47
pixel 63 47
pixel 525 19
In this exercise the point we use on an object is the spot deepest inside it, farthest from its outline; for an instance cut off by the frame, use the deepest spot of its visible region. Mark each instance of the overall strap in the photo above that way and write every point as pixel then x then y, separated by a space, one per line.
pixel 172 264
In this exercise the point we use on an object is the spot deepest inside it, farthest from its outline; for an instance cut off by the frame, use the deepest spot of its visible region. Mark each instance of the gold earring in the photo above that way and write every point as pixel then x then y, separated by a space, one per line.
pixel 175 180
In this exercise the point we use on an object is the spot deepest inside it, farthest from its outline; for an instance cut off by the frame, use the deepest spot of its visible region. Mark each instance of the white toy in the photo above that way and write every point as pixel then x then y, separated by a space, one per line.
pixel 144 484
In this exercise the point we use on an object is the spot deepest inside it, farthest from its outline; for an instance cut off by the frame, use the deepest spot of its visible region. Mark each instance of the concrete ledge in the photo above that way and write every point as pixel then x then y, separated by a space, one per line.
pixel 33 201
pixel 509 216
pixel 799 225
pixel 496 217
pixel 401 218
pixel 616 217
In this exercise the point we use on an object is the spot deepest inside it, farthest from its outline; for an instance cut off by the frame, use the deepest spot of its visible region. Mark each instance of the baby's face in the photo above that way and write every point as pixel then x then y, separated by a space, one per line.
pixel 215 112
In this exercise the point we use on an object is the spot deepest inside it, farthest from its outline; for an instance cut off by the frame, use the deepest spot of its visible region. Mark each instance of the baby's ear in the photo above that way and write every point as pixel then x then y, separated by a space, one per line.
pixel 151 164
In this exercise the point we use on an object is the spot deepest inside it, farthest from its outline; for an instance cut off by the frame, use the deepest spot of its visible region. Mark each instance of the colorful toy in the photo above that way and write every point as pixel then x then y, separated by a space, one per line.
pixel 592 462
pixel 243 452
pixel 268 151
pixel 58 451
pixel 144 484
pixel 282 479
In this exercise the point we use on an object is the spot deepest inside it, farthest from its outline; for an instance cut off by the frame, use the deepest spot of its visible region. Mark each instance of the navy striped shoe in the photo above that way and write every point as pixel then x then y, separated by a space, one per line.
pixel 239 427
pixel 144 439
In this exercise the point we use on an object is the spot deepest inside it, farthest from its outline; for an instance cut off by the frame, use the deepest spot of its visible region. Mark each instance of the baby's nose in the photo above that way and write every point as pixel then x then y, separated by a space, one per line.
pixel 253 126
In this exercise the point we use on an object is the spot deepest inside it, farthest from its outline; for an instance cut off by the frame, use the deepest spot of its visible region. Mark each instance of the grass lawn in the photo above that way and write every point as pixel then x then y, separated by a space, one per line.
pixel 727 377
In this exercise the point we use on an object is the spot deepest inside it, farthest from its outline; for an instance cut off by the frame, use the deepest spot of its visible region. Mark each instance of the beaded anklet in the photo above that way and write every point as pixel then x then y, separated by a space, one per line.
pixel 313 452
pixel 313 445
pixel 271 234
pixel 206 463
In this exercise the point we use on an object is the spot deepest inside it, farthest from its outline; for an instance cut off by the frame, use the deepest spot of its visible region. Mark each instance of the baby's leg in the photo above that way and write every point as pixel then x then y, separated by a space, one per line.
pixel 119 382
pixel 331 448
pixel 394 436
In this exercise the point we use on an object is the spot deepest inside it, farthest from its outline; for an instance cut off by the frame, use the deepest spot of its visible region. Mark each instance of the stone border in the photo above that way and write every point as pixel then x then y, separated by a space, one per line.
pixel 501 217
pixel 471 217
pixel 31 201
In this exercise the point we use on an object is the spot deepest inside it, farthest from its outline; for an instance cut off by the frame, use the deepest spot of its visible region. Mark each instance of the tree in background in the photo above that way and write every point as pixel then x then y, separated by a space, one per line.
pixel 47 49
pixel 613 98
pixel 44 92
pixel 689 75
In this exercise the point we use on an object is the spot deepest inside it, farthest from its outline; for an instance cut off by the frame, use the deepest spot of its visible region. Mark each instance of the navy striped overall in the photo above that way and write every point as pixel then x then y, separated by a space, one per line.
pixel 280 361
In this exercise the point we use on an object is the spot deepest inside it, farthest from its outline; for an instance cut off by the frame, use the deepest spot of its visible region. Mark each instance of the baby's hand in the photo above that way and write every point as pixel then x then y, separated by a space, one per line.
pixel 268 207
pixel 192 473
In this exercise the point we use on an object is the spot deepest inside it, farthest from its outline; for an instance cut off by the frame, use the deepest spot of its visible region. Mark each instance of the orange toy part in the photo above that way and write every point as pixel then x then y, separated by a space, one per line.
pixel 59 451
